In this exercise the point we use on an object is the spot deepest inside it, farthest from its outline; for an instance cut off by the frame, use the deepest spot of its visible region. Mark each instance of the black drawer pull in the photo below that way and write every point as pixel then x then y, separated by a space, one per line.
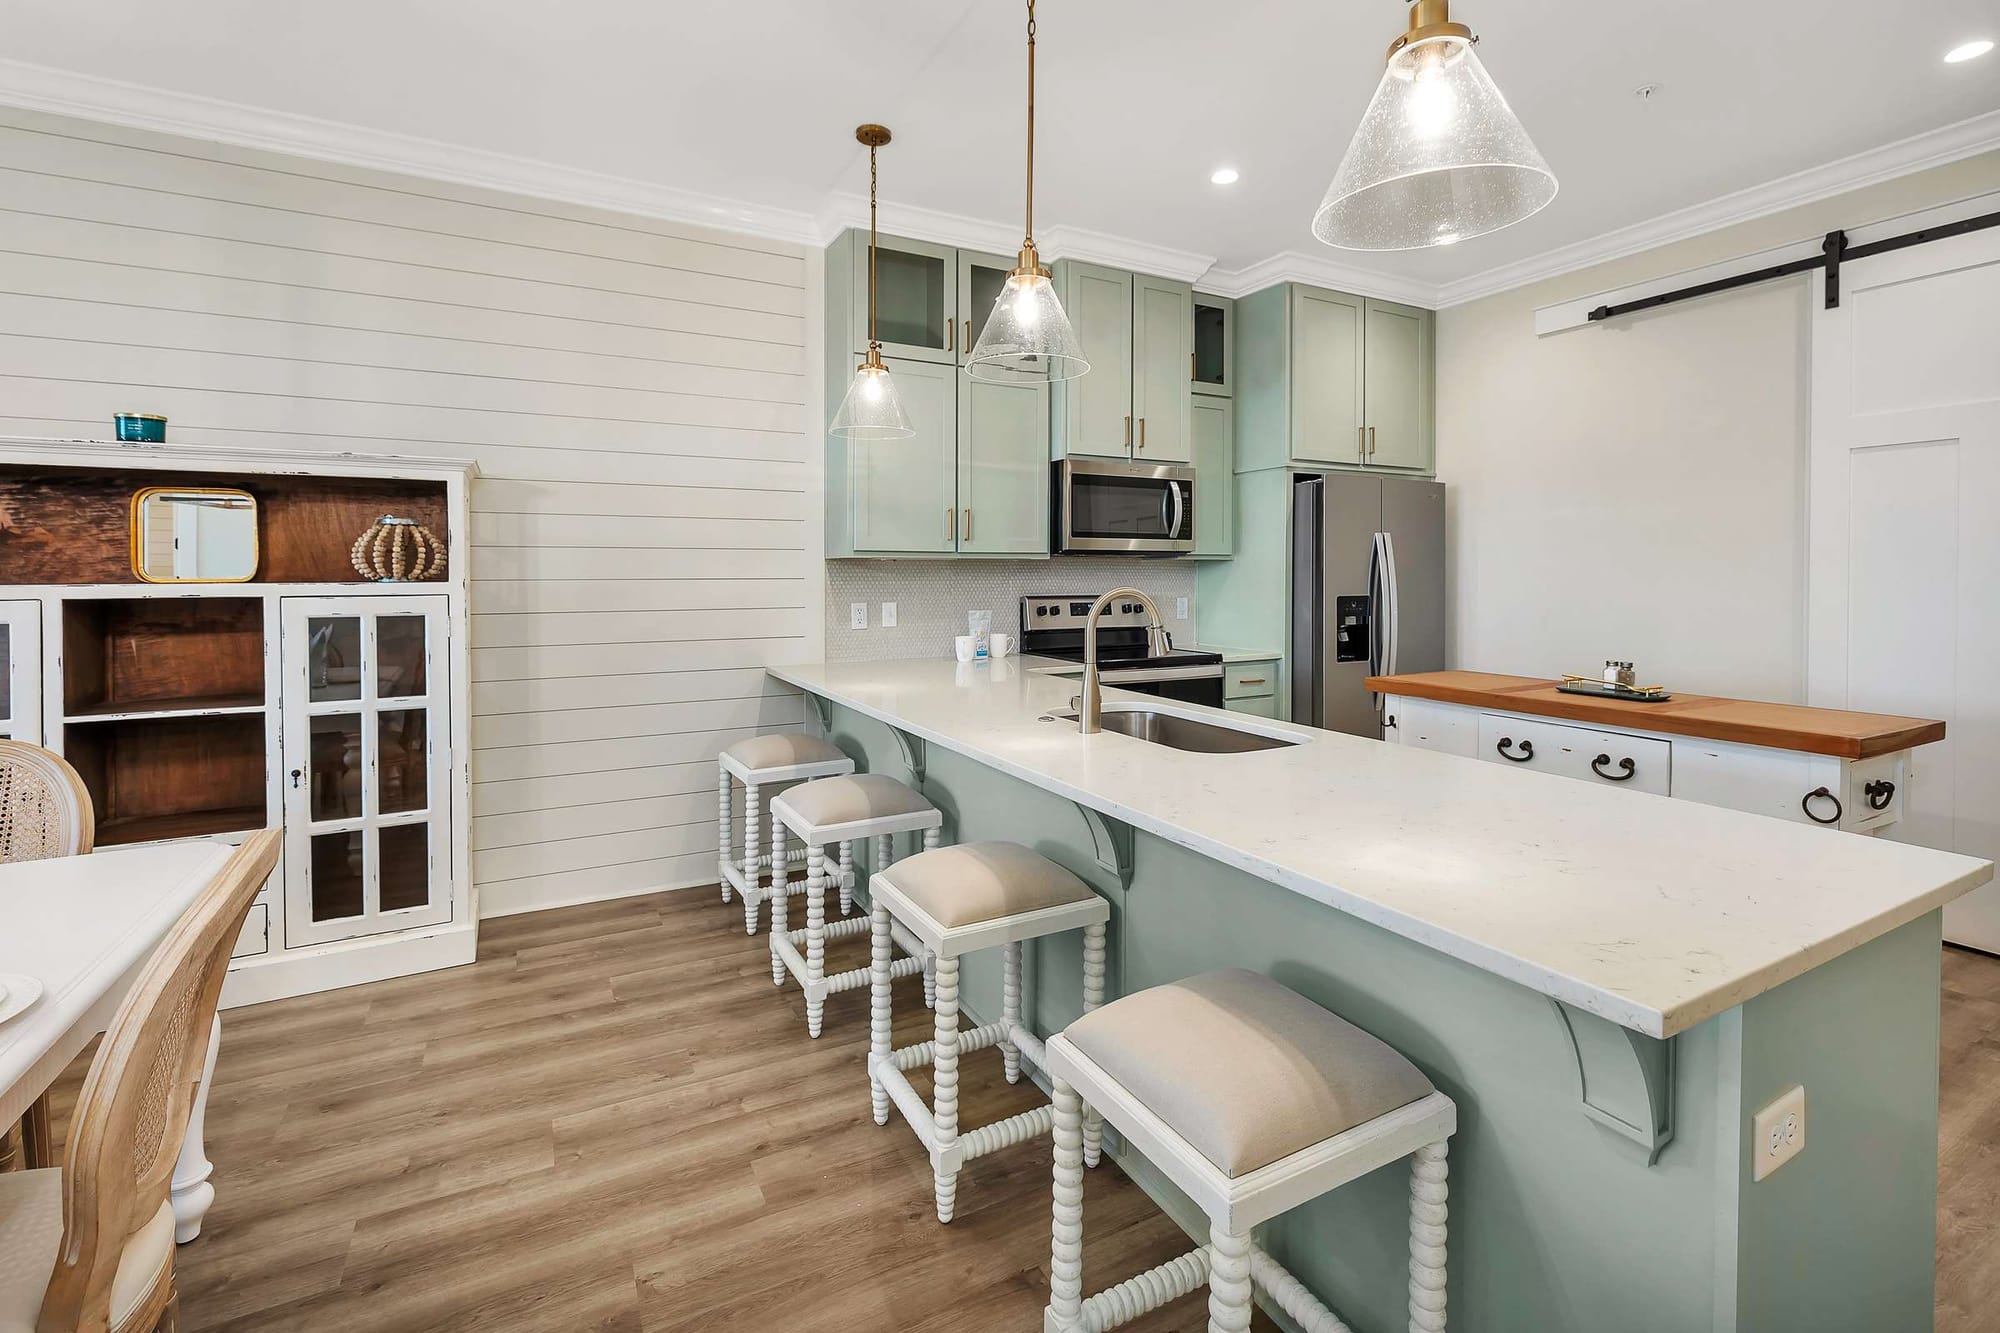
pixel 1626 768
pixel 1820 793
pixel 1879 793
pixel 1527 750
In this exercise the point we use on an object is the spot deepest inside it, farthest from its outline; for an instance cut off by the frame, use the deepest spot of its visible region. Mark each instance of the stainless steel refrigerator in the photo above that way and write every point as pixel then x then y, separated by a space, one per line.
pixel 1367 592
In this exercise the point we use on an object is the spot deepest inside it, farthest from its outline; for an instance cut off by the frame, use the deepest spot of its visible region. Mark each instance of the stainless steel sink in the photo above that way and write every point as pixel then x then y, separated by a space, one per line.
pixel 1182 733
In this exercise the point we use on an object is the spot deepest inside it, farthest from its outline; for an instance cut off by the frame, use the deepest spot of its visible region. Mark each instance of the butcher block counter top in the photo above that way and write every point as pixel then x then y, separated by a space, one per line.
pixel 1830 731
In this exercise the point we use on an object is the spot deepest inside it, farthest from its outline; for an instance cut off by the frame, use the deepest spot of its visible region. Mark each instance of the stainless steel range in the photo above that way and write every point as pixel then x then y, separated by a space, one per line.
pixel 1053 627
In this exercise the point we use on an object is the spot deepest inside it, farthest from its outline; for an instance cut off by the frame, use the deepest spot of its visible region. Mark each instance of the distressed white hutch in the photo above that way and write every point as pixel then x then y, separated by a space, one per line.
pixel 307 697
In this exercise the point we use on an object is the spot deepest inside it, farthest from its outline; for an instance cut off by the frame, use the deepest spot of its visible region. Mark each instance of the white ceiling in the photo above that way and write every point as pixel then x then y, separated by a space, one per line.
pixel 1139 99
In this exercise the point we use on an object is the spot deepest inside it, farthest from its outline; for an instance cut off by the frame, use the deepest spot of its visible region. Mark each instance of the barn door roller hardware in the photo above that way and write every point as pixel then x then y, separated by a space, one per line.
pixel 1834 251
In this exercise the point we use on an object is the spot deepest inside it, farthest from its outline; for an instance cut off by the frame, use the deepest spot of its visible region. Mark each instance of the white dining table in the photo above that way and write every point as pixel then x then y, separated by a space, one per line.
pixel 83 926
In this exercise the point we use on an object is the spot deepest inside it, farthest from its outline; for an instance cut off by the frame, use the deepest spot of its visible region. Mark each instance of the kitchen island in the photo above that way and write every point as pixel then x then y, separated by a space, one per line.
pixel 1609 984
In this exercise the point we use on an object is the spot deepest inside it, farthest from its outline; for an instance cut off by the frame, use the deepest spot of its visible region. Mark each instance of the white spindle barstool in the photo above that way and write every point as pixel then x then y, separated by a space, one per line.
pixel 1252 1099
pixel 788 756
pixel 957 900
pixel 836 812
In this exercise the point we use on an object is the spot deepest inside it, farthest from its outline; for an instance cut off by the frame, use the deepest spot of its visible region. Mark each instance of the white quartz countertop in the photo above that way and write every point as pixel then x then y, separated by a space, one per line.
pixel 1653 913
pixel 1239 654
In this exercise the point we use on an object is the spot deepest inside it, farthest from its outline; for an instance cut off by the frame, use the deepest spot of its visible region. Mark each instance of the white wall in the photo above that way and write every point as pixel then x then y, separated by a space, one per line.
pixel 645 533
pixel 1638 490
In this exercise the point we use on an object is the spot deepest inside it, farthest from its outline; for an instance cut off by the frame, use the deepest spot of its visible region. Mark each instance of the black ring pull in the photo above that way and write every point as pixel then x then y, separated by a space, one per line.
pixel 1626 768
pixel 1818 793
pixel 1390 723
pixel 1527 750
pixel 1879 793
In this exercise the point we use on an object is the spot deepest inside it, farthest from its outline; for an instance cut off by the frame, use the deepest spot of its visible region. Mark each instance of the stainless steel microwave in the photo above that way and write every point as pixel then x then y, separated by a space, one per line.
pixel 1115 507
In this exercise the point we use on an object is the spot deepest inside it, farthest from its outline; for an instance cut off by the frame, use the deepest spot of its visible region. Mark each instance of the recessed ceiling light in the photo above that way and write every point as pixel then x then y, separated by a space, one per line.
pixel 1223 176
pixel 1967 51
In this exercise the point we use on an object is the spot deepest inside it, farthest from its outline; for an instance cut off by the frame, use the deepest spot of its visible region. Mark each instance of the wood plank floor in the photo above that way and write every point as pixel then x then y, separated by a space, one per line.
pixel 613 1122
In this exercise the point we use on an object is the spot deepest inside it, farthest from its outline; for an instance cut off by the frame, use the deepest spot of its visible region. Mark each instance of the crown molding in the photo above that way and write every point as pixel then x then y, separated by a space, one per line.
pixel 92 97
pixel 63 92
pixel 1318 271
pixel 1934 148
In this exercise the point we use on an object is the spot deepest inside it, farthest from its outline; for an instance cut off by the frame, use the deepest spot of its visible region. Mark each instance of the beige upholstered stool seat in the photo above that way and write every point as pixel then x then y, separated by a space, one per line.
pixel 31 1230
pixel 1244 1069
pixel 784 750
pixel 827 802
pixel 983 881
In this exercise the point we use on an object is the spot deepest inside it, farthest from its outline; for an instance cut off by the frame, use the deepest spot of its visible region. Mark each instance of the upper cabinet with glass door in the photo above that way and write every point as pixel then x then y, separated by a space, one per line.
pixel 918 286
pixel 21 672
pixel 1214 329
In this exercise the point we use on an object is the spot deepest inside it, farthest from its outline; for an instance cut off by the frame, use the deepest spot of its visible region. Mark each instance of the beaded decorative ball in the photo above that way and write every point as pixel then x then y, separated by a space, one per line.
pixel 398 550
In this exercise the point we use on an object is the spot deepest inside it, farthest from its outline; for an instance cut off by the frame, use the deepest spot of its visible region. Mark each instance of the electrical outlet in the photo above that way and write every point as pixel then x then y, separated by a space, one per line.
pixel 1180 608
pixel 888 615
pixel 1780 1133
pixel 857 615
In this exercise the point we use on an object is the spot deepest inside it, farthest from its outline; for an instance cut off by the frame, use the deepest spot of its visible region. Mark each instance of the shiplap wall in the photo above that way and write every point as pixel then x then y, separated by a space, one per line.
pixel 635 393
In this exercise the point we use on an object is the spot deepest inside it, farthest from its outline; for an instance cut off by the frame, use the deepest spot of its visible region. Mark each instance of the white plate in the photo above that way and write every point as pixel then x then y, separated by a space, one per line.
pixel 17 992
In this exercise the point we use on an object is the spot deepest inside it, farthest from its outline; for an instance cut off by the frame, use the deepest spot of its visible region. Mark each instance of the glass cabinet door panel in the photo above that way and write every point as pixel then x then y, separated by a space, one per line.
pixel 334 672
pixel 910 305
pixel 21 672
pixel 6 681
pixel 367 738
pixel 406 855
pixel 334 770
pixel 1210 346
pixel 399 656
pixel 339 863
pixel 402 761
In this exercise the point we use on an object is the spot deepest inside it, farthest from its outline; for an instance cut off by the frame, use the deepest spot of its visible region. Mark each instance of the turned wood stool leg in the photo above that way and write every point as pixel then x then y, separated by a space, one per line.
pixel 932 837
pixel 1093 996
pixel 1066 1258
pixel 1228 1281
pixel 1010 1008
pixel 1427 1238
pixel 847 878
pixel 880 1015
pixel 781 882
pixel 779 926
pixel 722 833
pixel 815 936
pixel 751 850
pixel 944 1074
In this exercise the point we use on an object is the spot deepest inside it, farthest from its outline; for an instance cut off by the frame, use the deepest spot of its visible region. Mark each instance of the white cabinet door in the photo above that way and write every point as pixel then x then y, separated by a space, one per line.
pixel 1607 758
pixel 1434 726
pixel 367 757
pixel 21 671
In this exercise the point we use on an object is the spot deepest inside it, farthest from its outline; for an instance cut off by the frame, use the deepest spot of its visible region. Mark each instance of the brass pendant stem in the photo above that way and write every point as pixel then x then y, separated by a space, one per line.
pixel 1028 239
pixel 873 341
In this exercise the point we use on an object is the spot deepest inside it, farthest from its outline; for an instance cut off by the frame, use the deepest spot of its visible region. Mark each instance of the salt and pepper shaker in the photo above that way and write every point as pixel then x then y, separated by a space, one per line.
pixel 1620 673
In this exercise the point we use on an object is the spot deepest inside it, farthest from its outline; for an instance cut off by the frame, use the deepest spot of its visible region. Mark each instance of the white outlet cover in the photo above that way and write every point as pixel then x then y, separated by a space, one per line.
pixel 857 615
pixel 1780 1133
pixel 888 615
pixel 1180 608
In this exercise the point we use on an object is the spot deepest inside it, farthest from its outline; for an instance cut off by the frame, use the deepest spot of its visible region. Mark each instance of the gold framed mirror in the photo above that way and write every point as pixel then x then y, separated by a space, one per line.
pixel 194 534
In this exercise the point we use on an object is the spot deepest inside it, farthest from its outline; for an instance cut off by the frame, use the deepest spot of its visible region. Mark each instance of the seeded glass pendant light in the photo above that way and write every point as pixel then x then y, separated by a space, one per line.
pixel 1439 156
pixel 1028 333
pixel 872 410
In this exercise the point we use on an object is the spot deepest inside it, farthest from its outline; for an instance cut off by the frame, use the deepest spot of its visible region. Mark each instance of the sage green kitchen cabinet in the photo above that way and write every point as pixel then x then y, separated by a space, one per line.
pixel 1214 437
pixel 1324 379
pixel 1093 412
pixel 903 494
pixel 1162 369
pixel 1138 335
pixel 1396 378
pixel 917 296
pixel 1003 467
pixel 980 280
pixel 1214 337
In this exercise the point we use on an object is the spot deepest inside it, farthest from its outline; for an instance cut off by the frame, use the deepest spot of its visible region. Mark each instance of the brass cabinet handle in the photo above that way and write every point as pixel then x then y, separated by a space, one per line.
pixel 1142 434
pixel 950 523
pixel 1250 680
pixel 1371 441
pixel 1128 433
pixel 1361 440
pixel 968 335
pixel 950 335
pixel 966 527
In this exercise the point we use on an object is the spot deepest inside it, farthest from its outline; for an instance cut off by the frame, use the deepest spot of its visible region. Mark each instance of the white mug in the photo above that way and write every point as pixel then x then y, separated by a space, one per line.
pixel 963 646
pixel 1002 644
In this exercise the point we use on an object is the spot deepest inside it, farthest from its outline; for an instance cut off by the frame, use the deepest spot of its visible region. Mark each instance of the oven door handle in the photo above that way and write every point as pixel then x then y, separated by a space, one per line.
pixel 1144 675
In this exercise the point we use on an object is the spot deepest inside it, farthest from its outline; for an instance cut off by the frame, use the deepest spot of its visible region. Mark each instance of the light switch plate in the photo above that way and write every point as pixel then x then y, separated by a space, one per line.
pixel 857 615
pixel 888 615
pixel 1180 608
pixel 1780 1133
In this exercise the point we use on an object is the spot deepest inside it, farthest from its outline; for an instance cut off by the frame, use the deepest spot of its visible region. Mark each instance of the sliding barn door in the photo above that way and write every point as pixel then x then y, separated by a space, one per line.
pixel 1903 573
pixel 367 766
